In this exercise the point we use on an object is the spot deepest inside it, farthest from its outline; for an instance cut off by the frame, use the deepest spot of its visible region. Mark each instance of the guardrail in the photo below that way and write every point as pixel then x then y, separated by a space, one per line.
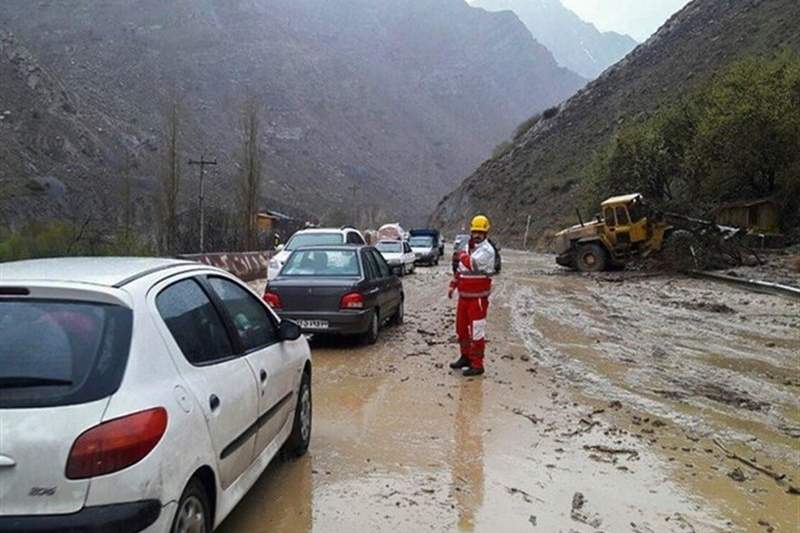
pixel 753 285
pixel 246 265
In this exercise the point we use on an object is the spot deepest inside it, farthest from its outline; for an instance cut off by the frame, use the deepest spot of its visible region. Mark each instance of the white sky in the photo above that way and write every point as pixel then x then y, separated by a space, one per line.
pixel 637 18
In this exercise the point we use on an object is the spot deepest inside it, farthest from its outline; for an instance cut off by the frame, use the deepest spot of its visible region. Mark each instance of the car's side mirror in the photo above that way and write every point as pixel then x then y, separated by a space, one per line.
pixel 279 248
pixel 289 331
pixel 397 270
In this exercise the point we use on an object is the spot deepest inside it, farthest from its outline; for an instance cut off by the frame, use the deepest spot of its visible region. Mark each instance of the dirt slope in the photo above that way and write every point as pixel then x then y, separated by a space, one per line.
pixel 542 171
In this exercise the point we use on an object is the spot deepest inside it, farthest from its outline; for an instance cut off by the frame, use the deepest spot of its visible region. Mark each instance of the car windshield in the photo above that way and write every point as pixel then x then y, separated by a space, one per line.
pixel 421 242
pixel 322 263
pixel 57 353
pixel 314 239
pixel 389 247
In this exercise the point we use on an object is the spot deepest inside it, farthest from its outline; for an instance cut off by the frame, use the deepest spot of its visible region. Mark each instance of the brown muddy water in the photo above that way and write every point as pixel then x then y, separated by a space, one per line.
pixel 606 406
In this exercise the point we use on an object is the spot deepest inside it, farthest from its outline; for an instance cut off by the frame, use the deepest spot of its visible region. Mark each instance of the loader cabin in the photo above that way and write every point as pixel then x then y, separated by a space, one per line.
pixel 625 218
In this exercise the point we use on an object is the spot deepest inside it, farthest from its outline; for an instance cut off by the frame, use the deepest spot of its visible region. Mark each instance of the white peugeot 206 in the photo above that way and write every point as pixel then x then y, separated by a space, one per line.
pixel 140 394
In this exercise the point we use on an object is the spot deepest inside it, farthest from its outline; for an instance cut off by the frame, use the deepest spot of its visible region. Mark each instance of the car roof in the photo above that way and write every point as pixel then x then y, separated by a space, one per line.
pixel 325 230
pixel 106 271
pixel 624 199
pixel 333 247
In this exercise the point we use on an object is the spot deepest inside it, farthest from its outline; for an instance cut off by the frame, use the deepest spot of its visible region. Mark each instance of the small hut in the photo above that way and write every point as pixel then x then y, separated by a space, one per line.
pixel 758 216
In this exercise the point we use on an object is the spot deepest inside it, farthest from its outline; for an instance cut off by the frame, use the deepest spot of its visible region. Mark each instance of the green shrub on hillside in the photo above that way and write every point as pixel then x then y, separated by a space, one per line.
pixel 58 239
pixel 736 138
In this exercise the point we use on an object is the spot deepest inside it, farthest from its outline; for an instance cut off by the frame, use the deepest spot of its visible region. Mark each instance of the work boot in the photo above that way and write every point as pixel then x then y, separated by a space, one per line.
pixel 472 371
pixel 462 362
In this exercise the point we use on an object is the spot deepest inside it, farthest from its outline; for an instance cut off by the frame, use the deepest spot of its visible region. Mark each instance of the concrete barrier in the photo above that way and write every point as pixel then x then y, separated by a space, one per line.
pixel 247 266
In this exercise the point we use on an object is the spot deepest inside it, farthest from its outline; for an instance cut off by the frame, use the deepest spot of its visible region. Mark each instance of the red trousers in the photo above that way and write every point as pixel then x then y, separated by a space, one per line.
pixel 471 329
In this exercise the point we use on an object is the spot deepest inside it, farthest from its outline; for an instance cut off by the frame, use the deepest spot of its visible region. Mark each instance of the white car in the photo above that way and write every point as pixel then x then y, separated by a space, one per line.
pixel 398 254
pixel 313 237
pixel 140 394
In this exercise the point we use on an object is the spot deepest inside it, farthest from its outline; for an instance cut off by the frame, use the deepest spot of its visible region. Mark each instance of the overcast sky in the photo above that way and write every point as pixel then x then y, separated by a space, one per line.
pixel 637 18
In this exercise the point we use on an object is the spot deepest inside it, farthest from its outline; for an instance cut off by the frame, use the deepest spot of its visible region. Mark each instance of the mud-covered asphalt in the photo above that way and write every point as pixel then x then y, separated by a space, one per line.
pixel 617 402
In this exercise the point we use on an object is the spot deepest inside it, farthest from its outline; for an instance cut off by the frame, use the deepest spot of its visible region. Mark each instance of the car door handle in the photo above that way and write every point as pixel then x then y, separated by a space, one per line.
pixel 263 375
pixel 213 402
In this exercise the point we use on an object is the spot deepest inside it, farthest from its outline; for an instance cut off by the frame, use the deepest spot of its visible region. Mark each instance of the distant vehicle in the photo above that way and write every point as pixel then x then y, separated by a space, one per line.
pixel 398 254
pixel 425 249
pixel 391 232
pixel 460 244
pixel 434 233
pixel 140 394
pixel 313 237
pixel 343 290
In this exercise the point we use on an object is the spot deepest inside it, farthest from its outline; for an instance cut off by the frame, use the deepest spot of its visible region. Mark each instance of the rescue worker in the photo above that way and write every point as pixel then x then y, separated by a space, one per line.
pixel 473 281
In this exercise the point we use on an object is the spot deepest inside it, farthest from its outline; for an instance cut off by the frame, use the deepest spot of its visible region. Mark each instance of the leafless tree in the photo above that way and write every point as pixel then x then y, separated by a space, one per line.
pixel 250 178
pixel 170 173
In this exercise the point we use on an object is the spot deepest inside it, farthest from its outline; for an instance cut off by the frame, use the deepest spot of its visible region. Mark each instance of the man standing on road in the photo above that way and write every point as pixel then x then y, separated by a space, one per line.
pixel 473 281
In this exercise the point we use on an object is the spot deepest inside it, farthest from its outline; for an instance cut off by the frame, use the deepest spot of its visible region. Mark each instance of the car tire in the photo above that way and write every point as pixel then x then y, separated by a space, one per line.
pixel 194 510
pixel 591 257
pixel 372 334
pixel 300 437
pixel 400 314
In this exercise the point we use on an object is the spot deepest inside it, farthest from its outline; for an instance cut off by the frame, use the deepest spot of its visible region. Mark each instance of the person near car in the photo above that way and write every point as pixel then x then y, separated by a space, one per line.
pixel 276 240
pixel 473 281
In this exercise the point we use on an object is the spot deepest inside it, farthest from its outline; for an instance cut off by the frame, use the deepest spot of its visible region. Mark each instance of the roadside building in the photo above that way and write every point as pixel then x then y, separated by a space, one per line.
pixel 761 218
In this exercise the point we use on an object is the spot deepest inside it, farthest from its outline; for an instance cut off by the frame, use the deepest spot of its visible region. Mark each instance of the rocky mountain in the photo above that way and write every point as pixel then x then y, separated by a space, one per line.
pixel 542 171
pixel 576 44
pixel 365 102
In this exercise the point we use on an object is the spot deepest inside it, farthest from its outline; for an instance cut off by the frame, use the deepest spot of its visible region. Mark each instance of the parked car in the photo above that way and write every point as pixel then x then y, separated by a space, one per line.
pixel 425 248
pixel 312 237
pixel 438 240
pixel 338 290
pixel 398 254
pixel 140 394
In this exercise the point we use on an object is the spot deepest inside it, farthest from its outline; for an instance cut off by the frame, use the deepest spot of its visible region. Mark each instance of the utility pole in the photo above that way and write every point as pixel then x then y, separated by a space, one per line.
pixel 527 229
pixel 202 163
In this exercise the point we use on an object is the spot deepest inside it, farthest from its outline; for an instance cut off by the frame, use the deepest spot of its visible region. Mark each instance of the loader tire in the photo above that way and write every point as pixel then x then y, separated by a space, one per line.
pixel 591 257
pixel 682 251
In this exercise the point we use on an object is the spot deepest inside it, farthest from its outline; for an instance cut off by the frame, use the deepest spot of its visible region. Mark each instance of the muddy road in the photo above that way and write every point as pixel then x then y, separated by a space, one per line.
pixel 645 405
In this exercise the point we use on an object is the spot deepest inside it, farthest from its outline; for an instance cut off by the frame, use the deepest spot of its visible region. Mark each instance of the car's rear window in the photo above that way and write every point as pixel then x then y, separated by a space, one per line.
pixel 61 352
pixel 314 239
pixel 322 263
pixel 389 247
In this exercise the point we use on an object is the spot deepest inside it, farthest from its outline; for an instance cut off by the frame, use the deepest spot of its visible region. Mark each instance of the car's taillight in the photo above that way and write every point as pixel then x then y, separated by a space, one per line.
pixel 116 444
pixel 352 300
pixel 273 300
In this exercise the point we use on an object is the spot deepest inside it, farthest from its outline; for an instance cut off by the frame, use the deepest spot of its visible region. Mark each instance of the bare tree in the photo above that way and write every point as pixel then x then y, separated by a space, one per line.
pixel 250 178
pixel 170 174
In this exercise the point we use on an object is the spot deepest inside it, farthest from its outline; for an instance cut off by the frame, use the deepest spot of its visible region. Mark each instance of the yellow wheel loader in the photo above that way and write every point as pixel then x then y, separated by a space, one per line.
pixel 627 230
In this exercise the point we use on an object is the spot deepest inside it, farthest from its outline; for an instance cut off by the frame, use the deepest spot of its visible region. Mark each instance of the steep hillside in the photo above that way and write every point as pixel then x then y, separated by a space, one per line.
pixel 365 101
pixel 576 44
pixel 51 142
pixel 542 172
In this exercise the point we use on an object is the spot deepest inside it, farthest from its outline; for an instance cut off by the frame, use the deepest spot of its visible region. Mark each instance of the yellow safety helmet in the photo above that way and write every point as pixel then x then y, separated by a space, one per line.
pixel 480 223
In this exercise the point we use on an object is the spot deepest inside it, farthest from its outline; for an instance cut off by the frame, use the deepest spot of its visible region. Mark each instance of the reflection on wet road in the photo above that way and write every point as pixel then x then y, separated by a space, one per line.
pixel 563 433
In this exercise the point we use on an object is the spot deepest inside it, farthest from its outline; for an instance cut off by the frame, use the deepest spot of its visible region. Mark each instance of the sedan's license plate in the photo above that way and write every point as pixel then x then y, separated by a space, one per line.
pixel 313 324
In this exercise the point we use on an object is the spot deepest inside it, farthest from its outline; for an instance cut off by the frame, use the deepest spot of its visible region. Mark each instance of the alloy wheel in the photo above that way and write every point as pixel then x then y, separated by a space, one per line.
pixel 191 517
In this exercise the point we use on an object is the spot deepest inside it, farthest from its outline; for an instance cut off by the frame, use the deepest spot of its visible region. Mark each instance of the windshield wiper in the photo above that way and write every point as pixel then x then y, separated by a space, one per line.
pixel 13 382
